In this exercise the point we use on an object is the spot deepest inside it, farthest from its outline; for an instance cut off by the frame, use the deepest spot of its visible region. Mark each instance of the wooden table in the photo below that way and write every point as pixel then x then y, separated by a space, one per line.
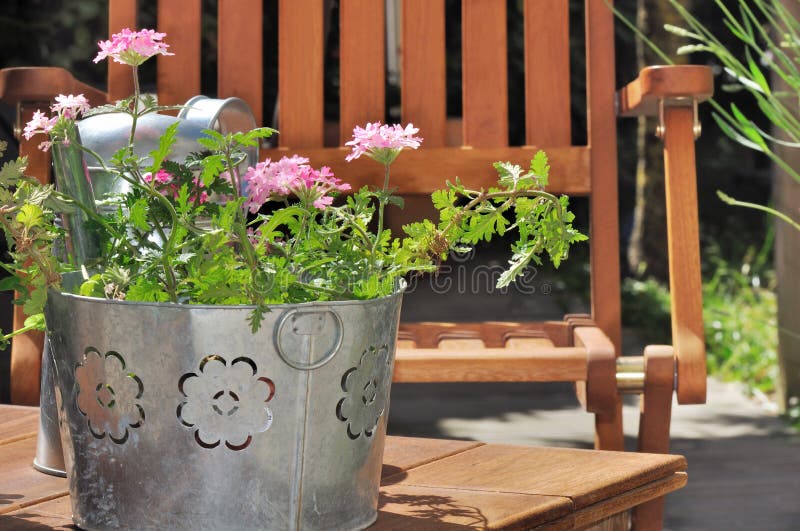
pixel 427 483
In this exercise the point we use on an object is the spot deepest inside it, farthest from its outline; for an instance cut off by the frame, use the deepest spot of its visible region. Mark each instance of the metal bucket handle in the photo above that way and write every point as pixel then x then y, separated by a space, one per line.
pixel 297 332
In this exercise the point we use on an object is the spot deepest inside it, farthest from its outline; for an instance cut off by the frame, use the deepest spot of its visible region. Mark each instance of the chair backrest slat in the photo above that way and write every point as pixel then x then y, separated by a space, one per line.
pixel 547 79
pixel 179 77
pixel 423 77
pixel 485 73
pixel 121 14
pixel 578 170
pixel 362 73
pixel 602 140
pixel 301 78
pixel 239 52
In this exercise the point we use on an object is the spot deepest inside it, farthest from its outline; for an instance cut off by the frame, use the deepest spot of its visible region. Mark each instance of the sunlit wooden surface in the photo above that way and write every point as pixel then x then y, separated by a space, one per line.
pixel 427 483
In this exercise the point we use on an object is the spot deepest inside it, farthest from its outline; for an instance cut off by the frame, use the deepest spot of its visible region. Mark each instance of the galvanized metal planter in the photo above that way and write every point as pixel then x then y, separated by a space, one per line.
pixel 178 417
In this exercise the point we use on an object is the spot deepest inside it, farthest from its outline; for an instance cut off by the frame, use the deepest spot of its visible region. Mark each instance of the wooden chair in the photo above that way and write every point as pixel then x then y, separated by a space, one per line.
pixel 581 348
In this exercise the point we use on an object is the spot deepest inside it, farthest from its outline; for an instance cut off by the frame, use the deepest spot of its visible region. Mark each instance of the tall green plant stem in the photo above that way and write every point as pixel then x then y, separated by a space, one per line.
pixel 382 201
pixel 135 114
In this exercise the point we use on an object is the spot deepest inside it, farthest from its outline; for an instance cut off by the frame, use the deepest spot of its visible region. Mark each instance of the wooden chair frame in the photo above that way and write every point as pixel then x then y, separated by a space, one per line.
pixel 581 348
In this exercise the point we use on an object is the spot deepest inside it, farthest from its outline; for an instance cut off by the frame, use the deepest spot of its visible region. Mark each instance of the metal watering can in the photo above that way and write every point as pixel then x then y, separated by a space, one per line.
pixel 105 134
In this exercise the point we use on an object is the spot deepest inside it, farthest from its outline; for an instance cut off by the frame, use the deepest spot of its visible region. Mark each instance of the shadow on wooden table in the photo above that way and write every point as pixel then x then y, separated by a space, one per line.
pixel 23 521
pixel 406 511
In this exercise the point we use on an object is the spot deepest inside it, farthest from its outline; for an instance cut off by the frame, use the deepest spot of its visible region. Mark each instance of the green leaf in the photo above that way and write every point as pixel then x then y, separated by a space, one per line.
pixel 483 227
pixel 30 216
pixel 146 290
pixel 207 143
pixel 443 199
pixel 540 166
pixel 92 287
pixel 212 165
pixel 746 127
pixel 510 174
pixel 35 321
pixel 36 299
pixel 757 75
pixel 252 137
pixel 165 144
pixel 12 170
pixel 10 283
pixel 138 215
pixel 396 200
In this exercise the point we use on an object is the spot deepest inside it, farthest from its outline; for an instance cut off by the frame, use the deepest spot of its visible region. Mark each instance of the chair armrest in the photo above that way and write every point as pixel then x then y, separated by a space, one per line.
pixel 42 84
pixel 677 82
pixel 672 92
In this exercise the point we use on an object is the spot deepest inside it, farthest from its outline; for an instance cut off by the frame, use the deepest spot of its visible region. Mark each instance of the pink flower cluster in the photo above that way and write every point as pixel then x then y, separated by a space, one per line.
pixel 291 176
pixel 40 123
pixel 68 107
pixel 132 47
pixel 382 142
pixel 164 183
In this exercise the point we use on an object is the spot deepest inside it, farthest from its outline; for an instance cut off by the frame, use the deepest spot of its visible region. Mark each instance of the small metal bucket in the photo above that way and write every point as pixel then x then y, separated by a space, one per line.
pixel 178 417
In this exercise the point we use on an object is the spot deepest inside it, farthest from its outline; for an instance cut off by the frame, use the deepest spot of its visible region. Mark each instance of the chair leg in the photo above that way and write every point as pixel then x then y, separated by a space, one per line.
pixel 26 349
pixel 608 429
pixel 654 421
pixel 26 363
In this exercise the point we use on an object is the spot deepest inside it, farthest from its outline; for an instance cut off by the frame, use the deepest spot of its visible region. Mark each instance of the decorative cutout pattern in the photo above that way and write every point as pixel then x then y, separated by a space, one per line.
pixel 225 402
pixel 366 387
pixel 107 395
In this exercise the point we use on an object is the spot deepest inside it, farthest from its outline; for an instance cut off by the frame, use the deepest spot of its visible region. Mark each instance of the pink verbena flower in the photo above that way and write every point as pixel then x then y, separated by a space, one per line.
pixel 40 123
pixel 70 106
pixel 166 184
pixel 133 47
pixel 382 142
pixel 162 177
pixel 291 176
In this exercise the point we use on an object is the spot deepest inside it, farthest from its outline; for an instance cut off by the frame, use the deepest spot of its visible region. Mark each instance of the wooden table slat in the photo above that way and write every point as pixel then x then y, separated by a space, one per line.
pixel 427 483
pixel 410 507
pixel 20 484
pixel 585 476
pixel 17 422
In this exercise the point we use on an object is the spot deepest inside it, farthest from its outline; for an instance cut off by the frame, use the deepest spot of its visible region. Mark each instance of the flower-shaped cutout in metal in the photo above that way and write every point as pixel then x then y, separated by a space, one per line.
pixel 107 395
pixel 225 402
pixel 367 388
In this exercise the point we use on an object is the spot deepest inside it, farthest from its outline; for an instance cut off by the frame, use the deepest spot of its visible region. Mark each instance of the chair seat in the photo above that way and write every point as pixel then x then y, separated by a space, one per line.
pixel 488 352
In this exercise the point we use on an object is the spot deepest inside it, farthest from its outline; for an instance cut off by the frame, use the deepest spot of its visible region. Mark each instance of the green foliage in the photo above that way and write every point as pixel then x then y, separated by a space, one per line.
pixel 769 35
pixel 739 313
pixel 181 233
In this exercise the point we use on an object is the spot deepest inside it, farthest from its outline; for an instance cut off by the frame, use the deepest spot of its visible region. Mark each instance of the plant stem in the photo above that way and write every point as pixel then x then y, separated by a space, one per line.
pixel 135 114
pixel 382 200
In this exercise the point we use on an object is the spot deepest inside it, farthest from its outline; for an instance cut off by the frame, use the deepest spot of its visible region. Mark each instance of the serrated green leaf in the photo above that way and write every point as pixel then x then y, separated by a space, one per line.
pixel 36 299
pixel 213 165
pixel 165 144
pixel 509 174
pixel 540 167
pixel 443 199
pixel 12 170
pixel 138 215
pixel 30 216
